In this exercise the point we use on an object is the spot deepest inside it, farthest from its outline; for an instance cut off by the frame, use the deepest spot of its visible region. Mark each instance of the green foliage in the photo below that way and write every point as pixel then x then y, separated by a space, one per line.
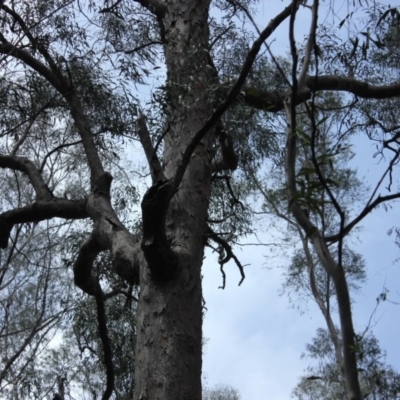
pixel 221 392
pixel 378 380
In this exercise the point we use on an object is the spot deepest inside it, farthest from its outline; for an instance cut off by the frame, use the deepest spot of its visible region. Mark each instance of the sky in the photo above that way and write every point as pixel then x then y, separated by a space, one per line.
pixel 254 335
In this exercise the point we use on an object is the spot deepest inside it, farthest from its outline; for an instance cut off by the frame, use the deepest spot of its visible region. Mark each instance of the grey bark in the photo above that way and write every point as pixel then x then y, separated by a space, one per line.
pixel 169 319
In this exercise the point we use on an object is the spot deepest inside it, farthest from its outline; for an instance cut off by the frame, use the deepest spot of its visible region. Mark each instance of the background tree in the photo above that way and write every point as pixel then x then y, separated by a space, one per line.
pixel 324 192
pixel 324 380
pixel 221 392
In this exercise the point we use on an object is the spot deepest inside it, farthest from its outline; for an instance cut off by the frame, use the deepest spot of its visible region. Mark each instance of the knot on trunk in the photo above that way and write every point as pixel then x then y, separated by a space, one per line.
pixel 156 249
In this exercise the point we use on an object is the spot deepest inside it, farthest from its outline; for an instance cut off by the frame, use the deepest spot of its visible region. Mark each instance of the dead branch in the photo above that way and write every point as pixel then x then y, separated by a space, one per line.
pixel 226 254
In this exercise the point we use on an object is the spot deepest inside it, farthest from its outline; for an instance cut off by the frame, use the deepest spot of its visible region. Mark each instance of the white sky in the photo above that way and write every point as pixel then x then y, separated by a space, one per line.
pixel 255 336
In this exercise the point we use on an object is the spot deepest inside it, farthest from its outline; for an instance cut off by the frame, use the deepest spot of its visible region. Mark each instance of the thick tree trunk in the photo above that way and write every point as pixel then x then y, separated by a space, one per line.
pixel 169 320
pixel 168 355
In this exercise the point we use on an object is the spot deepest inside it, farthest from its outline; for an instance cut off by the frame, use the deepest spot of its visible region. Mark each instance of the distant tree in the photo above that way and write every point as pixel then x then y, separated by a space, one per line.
pixel 378 380
pixel 220 392
pixel 313 188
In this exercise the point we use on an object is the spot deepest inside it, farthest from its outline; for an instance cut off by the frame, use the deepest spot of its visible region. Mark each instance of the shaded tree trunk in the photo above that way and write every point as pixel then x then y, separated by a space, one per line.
pixel 170 312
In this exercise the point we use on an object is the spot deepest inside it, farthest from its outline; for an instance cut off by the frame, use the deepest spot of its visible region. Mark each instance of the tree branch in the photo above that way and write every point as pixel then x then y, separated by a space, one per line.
pixel 22 55
pixel 225 255
pixel 350 85
pixel 156 170
pixel 311 42
pixel 273 101
pixel 40 211
pixel 64 87
pixel 105 340
pixel 143 46
pixel 231 96
pixel 157 7
pixel 36 44
pixel 83 276
pixel 27 167
pixel 362 215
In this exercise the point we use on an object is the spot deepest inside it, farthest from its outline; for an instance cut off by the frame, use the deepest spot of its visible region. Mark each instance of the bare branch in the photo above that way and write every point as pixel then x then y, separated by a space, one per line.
pixel 229 254
pixel 324 308
pixel 89 283
pixel 156 170
pixel 105 340
pixel 64 87
pixel 310 43
pixel 55 150
pixel 362 215
pixel 83 275
pixel 273 101
pixel 109 233
pixel 37 44
pixel 22 55
pixel 143 46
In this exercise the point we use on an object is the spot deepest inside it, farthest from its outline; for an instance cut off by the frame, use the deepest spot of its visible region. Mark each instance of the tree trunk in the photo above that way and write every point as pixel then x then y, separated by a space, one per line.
pixel 169 320
pixel 346 325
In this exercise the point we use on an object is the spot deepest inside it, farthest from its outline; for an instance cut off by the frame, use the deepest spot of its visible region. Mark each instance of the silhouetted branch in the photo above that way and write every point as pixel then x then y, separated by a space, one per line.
pixel 273 101
pixel 40 211
pixel 27 167
pixel 105 340
pixel 225 255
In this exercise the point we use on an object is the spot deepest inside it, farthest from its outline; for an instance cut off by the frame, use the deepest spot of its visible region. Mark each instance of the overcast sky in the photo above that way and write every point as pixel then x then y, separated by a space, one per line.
pixel 255 337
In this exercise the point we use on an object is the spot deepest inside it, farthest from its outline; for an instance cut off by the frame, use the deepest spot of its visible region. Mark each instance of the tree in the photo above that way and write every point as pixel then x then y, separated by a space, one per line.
pixel 327 200
pixel 69 104
pixel 324 381
pixel 221 392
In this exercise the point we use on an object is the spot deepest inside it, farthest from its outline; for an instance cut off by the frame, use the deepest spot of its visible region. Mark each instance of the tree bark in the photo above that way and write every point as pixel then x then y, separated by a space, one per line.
pixel 169 317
